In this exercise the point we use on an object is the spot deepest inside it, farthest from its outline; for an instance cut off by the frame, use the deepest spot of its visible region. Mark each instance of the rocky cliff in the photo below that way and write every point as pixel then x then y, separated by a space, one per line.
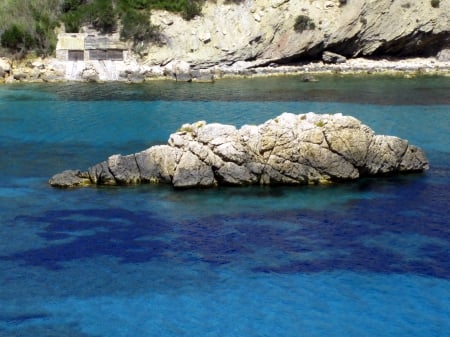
pixel 289 149
pixel 256 37
pixel 261 32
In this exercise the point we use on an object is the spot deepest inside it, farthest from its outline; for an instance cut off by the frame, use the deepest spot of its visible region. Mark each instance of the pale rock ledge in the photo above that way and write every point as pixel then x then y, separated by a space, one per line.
pixel 289 149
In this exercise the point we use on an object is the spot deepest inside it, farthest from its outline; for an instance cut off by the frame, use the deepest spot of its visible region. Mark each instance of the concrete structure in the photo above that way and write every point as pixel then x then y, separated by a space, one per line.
pixel 90 47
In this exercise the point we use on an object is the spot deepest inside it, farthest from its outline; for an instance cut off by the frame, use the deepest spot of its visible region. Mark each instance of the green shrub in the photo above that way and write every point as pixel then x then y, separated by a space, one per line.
pixel 29 26
pixel 320 123
pixel 137 26
pixel 72 21
pixel 187 8
pixel 103 16
pixel 100 14
pixel 71 5
pixel 136 4
pixel 191 10
pixel 435 3
pixel 17 39
pixel 304 22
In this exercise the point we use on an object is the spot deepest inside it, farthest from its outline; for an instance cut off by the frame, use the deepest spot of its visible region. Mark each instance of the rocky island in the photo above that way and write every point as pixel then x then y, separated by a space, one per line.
pixel 289 149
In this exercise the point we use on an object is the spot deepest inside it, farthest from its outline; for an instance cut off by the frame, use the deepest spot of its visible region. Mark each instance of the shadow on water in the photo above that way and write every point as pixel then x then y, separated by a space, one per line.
pixel 382 90
pixel 389 232
pixel 72 235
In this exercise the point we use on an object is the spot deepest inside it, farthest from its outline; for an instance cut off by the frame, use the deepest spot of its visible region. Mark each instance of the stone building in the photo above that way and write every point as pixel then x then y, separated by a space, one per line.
pixel 90 47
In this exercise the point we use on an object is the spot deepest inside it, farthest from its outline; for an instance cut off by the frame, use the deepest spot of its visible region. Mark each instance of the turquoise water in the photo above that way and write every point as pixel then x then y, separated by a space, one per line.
pixel 369 258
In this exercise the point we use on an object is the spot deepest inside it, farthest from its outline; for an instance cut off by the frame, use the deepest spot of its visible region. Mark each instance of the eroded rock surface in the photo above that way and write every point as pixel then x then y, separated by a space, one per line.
pixel 289 149
pixel 260 32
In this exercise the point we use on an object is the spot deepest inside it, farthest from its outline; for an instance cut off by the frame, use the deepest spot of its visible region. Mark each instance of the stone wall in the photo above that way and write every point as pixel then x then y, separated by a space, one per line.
pixel 86 47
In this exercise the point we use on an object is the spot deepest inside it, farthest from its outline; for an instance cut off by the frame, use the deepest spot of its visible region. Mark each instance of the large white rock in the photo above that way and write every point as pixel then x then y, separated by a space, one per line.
pixel 289 149
pixel 5 64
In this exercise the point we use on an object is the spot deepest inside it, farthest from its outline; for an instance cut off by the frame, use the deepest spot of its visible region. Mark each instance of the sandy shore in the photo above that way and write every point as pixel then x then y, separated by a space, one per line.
pixel 52 70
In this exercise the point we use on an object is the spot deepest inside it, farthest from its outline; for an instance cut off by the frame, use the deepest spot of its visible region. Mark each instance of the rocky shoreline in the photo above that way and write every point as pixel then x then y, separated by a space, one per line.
pixel 257 38
pixel 51 70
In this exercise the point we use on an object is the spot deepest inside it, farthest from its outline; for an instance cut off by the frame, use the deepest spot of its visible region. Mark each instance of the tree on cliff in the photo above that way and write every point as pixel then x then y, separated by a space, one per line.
pixel 29 25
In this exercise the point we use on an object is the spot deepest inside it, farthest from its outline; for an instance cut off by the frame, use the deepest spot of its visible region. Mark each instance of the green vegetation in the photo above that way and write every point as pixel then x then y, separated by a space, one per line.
pixel 29 25
pixel 186 129
pixel 187 8
pixel 136 26
pixel 435 3
pixel 304 22
pixel 320 124
pixel 103 15
pixel 15 38
pixel 98 13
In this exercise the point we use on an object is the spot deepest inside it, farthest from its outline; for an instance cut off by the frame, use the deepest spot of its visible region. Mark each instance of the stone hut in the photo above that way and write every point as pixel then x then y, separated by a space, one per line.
pixel 90 47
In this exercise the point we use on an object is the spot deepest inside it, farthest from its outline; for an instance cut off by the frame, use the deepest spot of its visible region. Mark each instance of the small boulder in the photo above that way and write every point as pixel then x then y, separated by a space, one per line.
pixel 5 68
pixel 5 64
pixel 183 77
pixel 443 55
pixel 179 70
pixel 201 76
pixel 70 178
pixel 89 74
pixel 330 57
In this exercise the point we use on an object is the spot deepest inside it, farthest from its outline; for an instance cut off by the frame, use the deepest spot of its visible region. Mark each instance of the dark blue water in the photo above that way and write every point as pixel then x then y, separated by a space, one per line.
pixel 370 258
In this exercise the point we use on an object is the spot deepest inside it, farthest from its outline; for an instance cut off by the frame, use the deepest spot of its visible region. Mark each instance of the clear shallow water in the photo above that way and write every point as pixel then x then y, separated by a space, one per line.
pixel 369 258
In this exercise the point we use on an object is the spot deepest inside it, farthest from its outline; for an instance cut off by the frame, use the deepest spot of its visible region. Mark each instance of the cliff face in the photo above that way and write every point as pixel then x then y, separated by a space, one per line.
pixel 262 31
pixel 234 35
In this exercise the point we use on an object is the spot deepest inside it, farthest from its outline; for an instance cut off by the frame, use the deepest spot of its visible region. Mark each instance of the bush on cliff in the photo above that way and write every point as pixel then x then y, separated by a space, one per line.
pixel 70 5
pixel 303 22
pixel 98 13
pixel 136 26
pixel 103 16
pixel 187 8
pixel 17 39
pixel 28 25
pixel 191 10
pixel 435 3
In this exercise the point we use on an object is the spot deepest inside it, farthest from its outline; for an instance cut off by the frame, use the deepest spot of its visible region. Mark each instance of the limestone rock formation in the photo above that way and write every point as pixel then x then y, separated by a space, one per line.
pixel 261 32
pixel 246 37
pixel 329 57
pixel 38 70
pixel 5 69
pixel 444 55
pixel 289 149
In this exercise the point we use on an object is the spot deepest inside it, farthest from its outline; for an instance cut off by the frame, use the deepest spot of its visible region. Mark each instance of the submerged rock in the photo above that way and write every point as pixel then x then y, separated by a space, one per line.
pixel 289 149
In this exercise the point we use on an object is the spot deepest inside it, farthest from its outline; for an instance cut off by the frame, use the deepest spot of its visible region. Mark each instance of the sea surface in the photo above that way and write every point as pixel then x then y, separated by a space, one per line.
pixel 367 258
